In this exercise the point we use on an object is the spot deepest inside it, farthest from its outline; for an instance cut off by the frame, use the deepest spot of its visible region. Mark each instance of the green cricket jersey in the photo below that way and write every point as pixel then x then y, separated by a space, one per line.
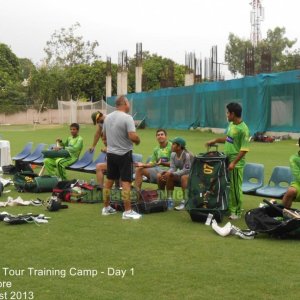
pixel 237 140
pixel 73 146
pixel 161 153
pixel 295 166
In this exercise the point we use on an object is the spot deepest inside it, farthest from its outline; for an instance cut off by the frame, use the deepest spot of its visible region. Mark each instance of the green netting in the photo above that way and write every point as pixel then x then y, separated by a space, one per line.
pixel 270 103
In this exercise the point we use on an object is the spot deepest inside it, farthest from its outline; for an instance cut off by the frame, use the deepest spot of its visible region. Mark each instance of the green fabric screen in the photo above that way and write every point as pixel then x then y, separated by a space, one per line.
pixel 270 103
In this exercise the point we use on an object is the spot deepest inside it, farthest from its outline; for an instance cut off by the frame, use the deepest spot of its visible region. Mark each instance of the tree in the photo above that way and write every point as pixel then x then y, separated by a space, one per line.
pixel 26 67
pixel 275 41
pixel 155 70
pixel 9 63
pixel 290 61
pixel 48 85
pixel 88 81
pixel 12 94
pixel 68 49
pixel 279 46
pixel 13 98
pixel 235 54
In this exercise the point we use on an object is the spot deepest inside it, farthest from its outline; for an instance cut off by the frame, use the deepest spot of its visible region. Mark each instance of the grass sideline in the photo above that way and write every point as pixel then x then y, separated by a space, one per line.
pixel 165 255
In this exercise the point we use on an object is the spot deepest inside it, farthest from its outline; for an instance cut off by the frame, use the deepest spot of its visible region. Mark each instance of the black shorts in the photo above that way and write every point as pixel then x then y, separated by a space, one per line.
pixel 119 166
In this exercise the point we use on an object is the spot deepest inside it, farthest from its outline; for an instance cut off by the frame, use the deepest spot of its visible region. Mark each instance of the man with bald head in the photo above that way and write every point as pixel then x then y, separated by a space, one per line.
pixel 119 134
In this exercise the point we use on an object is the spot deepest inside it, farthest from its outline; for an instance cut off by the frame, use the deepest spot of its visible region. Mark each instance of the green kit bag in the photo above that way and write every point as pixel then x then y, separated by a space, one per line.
pixel 33 183
pixel 208 187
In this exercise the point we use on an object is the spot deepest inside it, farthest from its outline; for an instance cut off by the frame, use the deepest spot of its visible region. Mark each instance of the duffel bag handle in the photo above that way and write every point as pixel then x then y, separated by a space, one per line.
pixel 212 146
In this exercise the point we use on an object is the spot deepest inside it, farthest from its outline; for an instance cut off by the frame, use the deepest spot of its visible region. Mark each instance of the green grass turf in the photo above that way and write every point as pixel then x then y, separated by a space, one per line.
pixel 166 255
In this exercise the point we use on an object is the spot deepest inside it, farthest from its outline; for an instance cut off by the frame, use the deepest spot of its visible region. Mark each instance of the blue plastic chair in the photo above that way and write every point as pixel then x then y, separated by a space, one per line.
pixel 40 160
pixel 36 154
pixel 84 161
pixel 25 152
pixel 278 184
pixel 253 178
pixel 91 168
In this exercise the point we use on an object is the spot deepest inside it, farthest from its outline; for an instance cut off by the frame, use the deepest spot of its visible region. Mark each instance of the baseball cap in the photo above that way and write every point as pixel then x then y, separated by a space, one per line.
pixel 95 115
pixel 180 141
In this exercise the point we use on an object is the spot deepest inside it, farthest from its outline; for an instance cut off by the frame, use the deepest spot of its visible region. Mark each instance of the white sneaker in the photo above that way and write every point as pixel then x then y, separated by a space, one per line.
pixel 181 206
pixel 131 214
pixel 108 211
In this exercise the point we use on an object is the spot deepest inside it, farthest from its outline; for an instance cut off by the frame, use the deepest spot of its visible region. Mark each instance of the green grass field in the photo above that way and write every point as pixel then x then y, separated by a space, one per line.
pixel 165 255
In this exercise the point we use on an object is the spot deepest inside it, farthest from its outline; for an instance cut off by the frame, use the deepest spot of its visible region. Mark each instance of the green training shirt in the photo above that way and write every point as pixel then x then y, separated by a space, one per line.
pixel 237 140
pixel 159 153
pixel 295 167
pixel 74 145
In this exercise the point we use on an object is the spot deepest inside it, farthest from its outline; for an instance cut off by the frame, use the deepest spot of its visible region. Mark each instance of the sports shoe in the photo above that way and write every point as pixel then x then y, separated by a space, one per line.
pixel 37 202
pixel 234 217
pixel 244 234
pixel 181 206
pixel 131 214
pixel 108 211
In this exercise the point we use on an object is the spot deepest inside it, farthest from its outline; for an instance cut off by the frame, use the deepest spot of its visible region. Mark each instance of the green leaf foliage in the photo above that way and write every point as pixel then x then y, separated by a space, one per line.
pixel 282 59
pixel 156 69
pixel 12 94
pixel 9 63
pixel 66 48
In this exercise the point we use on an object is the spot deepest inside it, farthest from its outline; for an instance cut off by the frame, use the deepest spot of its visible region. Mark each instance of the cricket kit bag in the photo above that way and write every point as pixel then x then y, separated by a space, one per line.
pixel 30 182
pixel 116 199
pixel 73 191
pixel 19 167
pixel 150 202
pixel 274 220
pixel 208 187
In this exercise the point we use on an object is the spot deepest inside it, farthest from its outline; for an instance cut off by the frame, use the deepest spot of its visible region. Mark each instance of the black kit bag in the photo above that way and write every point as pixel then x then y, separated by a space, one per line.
pixel 208 186
pixel 274 220
pixel 20 166
pixel 150 202
pixel 117 203
pixel 9 169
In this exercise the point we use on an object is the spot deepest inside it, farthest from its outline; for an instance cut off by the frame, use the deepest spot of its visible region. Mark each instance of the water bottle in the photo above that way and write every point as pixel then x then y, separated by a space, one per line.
pixel 92 182
pixel 170 204
pixel 209 219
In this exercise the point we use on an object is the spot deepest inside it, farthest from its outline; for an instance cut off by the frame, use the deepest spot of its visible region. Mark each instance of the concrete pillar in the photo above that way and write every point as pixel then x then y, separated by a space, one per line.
pixel 138 79
pixel 108 87
pixel 122 83
pixel 189 79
